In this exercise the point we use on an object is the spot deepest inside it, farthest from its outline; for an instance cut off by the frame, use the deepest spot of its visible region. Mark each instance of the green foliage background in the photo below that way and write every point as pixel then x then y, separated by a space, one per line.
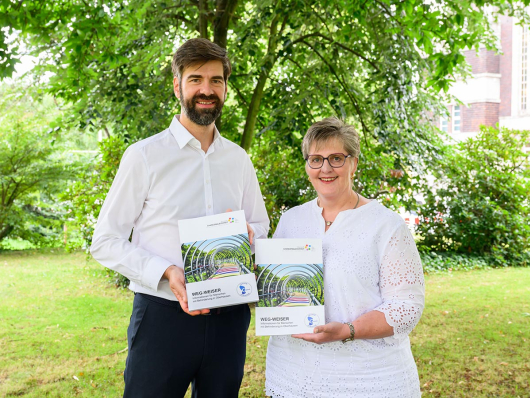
pixel 380 65
pixel 384 66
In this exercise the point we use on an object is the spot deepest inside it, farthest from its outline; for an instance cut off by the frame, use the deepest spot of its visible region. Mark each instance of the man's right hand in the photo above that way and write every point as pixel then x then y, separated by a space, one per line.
pixel 175 276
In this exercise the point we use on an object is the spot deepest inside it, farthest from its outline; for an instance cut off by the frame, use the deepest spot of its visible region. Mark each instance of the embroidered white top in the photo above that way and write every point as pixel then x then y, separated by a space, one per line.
pixel 162 179
pixel 370 263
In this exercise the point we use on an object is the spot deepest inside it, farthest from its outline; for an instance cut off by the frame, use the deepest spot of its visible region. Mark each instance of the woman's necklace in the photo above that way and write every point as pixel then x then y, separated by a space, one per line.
pixel 328 223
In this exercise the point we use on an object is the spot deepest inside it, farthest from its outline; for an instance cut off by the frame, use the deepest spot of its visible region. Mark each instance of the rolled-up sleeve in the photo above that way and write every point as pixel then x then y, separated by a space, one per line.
pixel 401 283
pixel 253 204
pixel 123 205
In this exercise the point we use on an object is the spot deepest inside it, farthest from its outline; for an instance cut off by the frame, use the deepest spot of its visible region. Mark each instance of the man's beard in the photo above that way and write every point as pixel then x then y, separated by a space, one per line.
pixel 202 117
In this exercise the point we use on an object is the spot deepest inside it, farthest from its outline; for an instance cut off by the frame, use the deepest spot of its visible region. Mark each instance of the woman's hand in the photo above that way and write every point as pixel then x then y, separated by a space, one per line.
pixel 333 331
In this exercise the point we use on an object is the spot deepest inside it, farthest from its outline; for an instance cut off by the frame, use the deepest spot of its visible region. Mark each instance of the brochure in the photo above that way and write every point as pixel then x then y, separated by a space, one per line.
pixel 217 261
pixel 290 286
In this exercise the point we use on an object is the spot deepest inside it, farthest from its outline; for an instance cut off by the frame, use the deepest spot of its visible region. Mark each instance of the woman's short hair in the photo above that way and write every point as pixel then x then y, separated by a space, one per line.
pixel 328 129
pixel 199 51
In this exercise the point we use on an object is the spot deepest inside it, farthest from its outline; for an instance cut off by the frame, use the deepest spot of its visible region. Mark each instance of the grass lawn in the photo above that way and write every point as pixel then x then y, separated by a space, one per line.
pixel 63 332
pixel 473 339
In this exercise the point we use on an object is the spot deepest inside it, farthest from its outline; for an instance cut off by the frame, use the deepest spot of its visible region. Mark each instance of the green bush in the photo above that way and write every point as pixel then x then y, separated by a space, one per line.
pixel 282 178
pixel 450 261
pixel 35 165
pixel 480 203
pixel 85 196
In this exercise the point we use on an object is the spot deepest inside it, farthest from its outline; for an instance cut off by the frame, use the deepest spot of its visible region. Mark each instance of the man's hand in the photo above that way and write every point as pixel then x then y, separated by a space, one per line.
pixel 333 331
pixel 175 276
pixel 250 237
pixel 249 229
pixel 250 233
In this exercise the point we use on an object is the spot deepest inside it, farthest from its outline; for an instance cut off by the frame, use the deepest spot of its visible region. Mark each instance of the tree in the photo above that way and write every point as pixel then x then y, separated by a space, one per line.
pixel 32 168
pixel 482 201
pixel 378 64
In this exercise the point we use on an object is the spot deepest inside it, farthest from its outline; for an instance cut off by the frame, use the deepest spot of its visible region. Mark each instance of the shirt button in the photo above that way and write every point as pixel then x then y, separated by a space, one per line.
pixel 209 206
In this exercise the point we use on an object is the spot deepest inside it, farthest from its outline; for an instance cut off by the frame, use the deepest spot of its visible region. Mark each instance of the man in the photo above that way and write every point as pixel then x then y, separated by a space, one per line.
pixel 186 171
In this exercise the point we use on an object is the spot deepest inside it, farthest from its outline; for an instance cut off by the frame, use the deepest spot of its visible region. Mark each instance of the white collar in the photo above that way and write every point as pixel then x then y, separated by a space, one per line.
pixel 183 136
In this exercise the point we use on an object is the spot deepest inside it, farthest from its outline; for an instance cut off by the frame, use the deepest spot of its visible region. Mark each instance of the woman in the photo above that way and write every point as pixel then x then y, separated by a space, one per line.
pixel 374 287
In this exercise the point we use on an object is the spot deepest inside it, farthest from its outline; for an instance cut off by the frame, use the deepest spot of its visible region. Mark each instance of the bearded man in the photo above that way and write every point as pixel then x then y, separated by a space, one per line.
pixel 186 171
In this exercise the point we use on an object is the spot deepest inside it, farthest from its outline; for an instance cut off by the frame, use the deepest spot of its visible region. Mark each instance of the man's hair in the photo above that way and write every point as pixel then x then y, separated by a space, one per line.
pixel 332 129
pixel 199 51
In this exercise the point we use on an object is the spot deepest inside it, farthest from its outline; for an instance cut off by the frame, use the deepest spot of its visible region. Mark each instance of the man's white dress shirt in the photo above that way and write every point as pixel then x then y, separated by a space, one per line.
pixel 163 179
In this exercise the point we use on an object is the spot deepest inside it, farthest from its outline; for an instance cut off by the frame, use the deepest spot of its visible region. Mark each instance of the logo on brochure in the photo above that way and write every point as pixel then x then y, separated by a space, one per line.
pixel 231 220
pixel 305 248
pixel 244 289
pixel 312 320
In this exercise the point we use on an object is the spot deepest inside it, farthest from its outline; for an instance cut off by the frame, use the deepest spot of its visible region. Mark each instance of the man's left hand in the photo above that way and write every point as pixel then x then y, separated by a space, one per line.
pixel 249 230
pixel 333 331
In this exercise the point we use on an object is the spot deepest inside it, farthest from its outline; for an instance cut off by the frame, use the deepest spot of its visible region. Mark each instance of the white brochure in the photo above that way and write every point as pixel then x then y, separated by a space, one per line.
pixel 217 261
pixel 290 286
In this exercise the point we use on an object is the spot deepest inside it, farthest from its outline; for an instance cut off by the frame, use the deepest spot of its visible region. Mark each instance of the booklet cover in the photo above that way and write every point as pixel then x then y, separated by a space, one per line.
pixel 217 261
pixel 290 286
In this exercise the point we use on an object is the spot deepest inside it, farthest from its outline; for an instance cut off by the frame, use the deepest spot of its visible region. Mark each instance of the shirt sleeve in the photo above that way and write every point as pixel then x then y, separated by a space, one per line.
pixel 123 205
pixel 253 204
pixel 401 283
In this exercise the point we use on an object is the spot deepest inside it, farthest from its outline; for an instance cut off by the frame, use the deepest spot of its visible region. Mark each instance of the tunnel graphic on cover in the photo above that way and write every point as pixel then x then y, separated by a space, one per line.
pixel 217 258
pixel 290 285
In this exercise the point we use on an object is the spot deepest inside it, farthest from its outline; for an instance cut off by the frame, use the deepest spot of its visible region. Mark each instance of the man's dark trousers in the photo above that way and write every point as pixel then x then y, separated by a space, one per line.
pixel 169 349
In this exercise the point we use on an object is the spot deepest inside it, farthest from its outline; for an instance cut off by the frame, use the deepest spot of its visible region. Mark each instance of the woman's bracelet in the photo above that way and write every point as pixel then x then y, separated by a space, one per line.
pixel 352 333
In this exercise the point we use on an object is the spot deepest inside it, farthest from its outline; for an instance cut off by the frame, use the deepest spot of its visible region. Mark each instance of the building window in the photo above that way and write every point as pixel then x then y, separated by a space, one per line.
pixel 524 69
pixel 456 119
pixel 443 123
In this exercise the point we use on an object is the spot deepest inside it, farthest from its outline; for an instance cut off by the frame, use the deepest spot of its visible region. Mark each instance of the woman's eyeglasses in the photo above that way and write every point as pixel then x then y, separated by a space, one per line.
pixel 335 160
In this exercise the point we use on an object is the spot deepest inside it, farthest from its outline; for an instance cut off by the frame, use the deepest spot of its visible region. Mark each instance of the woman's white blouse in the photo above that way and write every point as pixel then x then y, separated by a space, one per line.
pixel 370 263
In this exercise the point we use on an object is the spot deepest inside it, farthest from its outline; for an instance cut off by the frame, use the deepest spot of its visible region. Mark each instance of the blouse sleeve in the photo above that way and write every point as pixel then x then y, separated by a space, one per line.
pixel 401 283
pixel 279 232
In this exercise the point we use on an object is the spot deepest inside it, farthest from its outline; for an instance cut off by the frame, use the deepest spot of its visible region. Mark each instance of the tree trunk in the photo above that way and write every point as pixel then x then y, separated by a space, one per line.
pixel 223 14
pixel 257 96
pixel 4 232
pixel 203 19
pixel 252 114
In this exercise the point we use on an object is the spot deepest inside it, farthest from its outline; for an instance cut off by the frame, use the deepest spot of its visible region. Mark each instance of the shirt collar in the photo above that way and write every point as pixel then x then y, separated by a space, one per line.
pixel 316 208
pixel 184 137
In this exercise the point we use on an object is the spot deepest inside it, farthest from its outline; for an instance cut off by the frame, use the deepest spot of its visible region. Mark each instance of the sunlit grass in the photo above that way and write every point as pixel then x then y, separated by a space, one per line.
pixel 474 337
pixel 63 331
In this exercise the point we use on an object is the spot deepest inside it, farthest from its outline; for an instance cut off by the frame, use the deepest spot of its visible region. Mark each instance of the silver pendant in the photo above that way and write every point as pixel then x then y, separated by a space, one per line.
pixel 328 223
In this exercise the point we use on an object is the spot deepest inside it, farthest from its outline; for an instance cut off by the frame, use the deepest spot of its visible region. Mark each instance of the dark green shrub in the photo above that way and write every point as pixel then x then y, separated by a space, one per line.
pixel 450 261
pixel 480 203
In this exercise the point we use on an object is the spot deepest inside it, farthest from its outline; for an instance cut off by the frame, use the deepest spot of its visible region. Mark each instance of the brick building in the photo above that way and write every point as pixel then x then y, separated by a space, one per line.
pixel 498 91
